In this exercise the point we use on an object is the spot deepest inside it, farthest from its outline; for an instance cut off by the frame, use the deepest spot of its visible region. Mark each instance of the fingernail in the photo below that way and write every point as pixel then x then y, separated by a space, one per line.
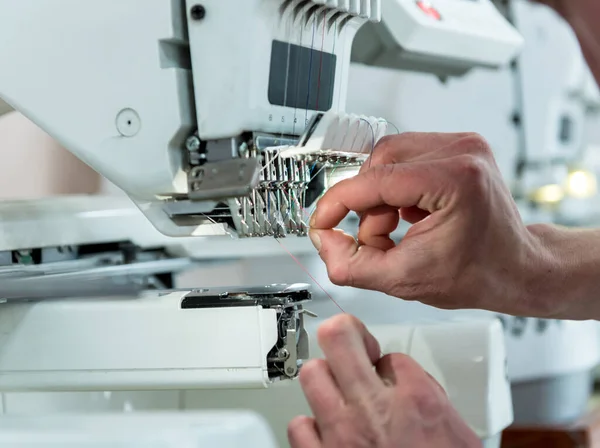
pixel 315 238
pixel 313 219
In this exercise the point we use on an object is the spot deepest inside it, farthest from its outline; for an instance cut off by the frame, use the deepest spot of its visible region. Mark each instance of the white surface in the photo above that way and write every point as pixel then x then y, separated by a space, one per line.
pixel 472 33
pixel 165 430
pixel 132 344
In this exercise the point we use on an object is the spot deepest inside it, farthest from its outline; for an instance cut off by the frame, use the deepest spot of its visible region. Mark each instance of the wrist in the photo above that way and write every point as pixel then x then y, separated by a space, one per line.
pixel 563 279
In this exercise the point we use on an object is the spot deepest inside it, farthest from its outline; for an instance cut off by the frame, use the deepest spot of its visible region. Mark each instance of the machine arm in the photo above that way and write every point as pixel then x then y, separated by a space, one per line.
pixel 184 106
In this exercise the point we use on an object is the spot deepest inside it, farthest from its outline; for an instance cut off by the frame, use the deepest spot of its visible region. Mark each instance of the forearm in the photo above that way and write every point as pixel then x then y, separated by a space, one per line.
pixel 567 277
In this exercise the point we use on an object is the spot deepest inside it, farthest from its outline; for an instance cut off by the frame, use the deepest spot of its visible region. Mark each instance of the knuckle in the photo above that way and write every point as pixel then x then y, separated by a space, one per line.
pixel 381 172
pixel 428 401
pixel 472 167
pixel 425 396
pixel 339 274
pixel 477 144
pixel 389 148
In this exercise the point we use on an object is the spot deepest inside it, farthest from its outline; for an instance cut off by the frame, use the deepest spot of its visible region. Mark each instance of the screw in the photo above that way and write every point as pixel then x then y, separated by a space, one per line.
pixel 198 12
pixel 290 370
pixel 192 144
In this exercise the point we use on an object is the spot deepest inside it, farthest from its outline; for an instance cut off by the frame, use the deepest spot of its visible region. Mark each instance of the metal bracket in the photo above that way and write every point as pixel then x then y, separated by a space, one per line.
pixel 290 365
pixel 226 179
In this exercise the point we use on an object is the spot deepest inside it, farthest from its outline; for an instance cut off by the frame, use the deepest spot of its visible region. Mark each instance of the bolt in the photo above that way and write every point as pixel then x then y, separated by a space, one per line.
pixel 192 144
pixel 284 354
pixel 198 12
pixel 290 370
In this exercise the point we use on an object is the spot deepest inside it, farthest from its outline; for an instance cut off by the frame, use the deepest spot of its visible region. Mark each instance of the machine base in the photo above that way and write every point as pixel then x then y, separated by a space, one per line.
pixel 159 341
pixel 552 401
pixel 467 358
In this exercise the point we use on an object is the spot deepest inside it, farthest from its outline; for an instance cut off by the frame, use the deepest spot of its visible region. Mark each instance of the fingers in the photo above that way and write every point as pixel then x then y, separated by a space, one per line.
pixel 351 351
pixel 409 146
pixel 376 226
pixel 399 186
pixel 347 263
pixel 321 391
pixel 302 433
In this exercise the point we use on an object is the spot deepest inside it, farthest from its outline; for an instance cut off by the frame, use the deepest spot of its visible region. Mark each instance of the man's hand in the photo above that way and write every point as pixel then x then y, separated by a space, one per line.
pixel 467 247
pixel 394 405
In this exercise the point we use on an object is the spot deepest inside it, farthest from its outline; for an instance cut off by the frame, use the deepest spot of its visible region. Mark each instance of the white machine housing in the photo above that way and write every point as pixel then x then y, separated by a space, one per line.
pixel 440 36
pixel 133 343
pixel 467 358
pixel 165 430
pixel 126 87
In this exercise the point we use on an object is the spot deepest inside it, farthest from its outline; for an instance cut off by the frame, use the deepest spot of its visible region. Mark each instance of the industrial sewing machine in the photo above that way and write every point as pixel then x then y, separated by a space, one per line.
pixel 215 120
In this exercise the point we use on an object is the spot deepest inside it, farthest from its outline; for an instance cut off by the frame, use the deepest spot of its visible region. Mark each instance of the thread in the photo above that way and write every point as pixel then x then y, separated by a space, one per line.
pixel 372 140
pixel 288 32
pixel 332 79
pixel 310 275
pixel 321 61
pixel 312 45
pixel 298 64
pixel 391 124
pixel 343 37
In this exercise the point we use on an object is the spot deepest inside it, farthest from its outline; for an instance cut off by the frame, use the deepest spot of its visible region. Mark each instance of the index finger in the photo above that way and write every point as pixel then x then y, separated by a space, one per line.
pixel 400 185
pixel 351 352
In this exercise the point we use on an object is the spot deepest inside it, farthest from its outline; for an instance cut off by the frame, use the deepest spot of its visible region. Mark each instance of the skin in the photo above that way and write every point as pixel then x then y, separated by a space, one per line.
pixel 467 248
pixel 361 400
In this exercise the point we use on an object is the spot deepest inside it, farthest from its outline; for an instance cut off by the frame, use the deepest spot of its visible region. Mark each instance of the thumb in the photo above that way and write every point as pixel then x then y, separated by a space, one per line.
pixel 349 264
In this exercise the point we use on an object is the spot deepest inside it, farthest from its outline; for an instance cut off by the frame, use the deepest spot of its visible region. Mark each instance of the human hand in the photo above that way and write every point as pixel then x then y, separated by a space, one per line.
pixel 396 404
pixel 467 247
